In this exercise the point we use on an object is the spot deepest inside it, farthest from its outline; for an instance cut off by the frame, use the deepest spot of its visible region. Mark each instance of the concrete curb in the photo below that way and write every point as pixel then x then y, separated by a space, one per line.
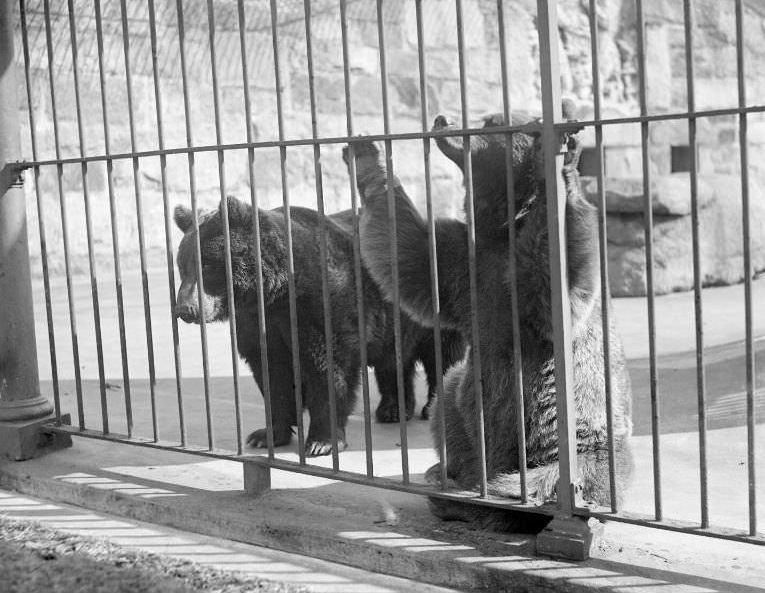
pixel 463 569
pixel 303 522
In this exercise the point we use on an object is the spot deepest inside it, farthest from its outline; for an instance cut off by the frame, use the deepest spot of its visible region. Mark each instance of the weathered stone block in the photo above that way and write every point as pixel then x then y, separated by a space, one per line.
pixel 721 245
pixel 670 194
pixel 440 24
pixel 25 439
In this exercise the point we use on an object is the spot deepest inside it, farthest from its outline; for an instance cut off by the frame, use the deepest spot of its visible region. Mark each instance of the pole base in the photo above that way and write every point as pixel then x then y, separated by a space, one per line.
pixel 257 477
pixel 571 538
pixel 24 439
pixel 25 409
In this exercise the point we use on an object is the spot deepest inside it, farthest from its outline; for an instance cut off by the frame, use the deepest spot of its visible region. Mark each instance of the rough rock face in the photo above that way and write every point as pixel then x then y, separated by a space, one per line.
pixel 720 226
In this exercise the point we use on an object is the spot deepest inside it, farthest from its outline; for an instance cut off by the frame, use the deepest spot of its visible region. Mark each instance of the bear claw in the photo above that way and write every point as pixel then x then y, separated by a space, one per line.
pixel 319 448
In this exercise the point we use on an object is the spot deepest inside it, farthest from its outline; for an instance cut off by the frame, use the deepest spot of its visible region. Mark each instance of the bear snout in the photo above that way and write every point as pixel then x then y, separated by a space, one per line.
pixel 187 312
pixel 441 122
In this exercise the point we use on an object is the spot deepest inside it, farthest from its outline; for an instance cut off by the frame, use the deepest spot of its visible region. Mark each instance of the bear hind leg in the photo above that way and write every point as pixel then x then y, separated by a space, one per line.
pixel 387 383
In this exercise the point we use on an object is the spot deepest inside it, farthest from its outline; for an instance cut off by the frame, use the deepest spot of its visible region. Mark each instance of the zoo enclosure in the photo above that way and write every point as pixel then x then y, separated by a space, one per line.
pixel 124 124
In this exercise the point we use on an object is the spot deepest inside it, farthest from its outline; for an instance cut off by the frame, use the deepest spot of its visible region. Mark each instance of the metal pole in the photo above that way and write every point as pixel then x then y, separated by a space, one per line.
pixel 566 536
pixel 20 397
pixel 556 215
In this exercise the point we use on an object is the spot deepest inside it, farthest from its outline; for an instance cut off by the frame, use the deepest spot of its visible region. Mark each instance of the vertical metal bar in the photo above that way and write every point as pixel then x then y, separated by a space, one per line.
pixel 648 222
pixel 605 295
pixel 512 259
pixel 64 220
pixel 472 266
pixel 432 253
pixel 41 218
pixel 297 376
pixel 695 223
pixel 168 218
pixel 746 215
pixel 357 246
pixel 226 228
pixel 556 215
pixel 139 222
pixel 197 248
pixel 113 214
pixel 88 223
pixel 325 297
pixel 393 248
pixel 265 374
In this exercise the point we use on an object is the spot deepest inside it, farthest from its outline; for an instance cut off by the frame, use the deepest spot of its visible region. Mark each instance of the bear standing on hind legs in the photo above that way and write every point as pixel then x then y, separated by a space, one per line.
pixel 495 321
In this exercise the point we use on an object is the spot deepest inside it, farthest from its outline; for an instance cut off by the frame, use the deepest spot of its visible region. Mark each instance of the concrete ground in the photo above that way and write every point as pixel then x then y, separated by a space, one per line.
pixel 389 531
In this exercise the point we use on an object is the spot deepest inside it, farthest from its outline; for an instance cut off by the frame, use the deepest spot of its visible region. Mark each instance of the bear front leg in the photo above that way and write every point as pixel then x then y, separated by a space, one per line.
pixel 581 238
pixel 412 243
pixel 319 439
pixel 581 253
pixel 283 412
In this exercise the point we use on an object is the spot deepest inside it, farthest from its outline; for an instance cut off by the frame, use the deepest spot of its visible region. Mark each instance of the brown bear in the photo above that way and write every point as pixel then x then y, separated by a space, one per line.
pixel 488 159
pixel 417 341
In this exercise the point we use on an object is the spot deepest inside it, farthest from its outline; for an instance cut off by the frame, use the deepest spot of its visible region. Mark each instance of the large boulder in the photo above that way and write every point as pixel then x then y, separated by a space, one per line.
pixel 720 232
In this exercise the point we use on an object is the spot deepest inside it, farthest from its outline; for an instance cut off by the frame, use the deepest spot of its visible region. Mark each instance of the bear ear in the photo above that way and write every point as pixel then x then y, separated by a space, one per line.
pixel 183 217
pixel 239 213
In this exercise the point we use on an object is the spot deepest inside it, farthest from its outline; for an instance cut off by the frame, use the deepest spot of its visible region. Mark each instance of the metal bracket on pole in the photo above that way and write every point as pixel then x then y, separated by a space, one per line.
pixel 571 538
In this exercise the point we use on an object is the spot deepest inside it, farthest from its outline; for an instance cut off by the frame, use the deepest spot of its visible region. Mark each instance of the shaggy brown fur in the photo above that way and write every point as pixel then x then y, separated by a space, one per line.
pixel 417 341
pixel 495 322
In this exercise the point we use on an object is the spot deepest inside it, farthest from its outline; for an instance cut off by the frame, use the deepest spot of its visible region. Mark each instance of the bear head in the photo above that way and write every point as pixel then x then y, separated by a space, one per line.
pixel 214 303
pixel 489 166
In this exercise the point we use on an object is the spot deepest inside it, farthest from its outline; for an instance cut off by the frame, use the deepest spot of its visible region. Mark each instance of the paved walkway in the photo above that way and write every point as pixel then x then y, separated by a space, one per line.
pixel 246 560
pixel 381 531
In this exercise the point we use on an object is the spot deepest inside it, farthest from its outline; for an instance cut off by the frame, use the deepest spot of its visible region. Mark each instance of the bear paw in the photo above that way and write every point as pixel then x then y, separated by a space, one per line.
pixel 361 148
pixel 541 484
pixel 388 412
pixel 433 477
pixel 426 409
pixel 573 152
pixel 259 438
pixel 323 447
pixel 371 174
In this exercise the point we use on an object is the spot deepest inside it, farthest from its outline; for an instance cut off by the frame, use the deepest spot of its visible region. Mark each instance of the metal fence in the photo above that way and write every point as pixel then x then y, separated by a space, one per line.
pixel 549 128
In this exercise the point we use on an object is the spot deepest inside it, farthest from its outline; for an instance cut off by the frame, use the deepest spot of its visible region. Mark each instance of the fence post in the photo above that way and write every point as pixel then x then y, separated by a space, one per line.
pixel 566 535
pixel 22 408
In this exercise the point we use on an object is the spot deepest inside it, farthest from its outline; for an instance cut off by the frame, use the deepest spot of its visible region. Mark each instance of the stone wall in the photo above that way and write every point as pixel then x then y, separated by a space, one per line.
pixel 715 82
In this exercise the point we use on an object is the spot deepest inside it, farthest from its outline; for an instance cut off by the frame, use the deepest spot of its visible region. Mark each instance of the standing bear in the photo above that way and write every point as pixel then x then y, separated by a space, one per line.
pixel 418 343
pixel 458 406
